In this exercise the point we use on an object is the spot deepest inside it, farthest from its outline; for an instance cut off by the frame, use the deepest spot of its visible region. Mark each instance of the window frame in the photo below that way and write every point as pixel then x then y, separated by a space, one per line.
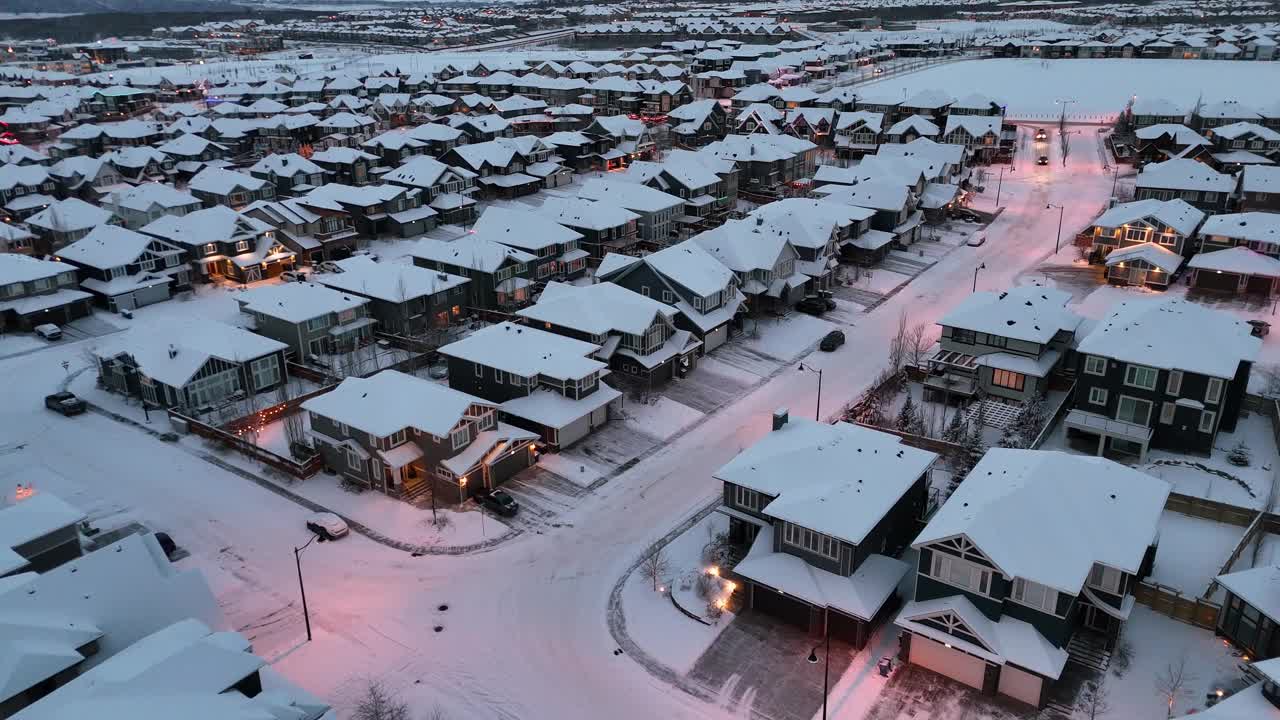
pixel 1008 379
pixel 1171 387
pixel 1120 403
pixel 1211 417
pixel 937 572
pixel 1094 393
pixel 1048 602
pixel 1213 391
pixel 1131 372
pixel 1091 359
pixel 1168 411
pixel 460 432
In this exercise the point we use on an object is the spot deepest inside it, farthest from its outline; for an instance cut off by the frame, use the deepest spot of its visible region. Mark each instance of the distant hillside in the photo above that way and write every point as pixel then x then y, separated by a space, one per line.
pixel 108 6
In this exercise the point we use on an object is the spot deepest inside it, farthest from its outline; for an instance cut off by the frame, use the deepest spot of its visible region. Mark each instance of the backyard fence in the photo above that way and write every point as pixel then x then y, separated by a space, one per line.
pixel 304 469
pixel 272 412
pixel 1172 603
pixel 1209 510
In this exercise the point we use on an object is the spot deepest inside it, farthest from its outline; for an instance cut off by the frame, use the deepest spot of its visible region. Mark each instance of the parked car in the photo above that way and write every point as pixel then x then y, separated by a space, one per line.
pixel 1042 160
pixel 500 502
pixel 831 341
pixel 327 525
pixel 66 403
pixel 293 276
pixel 977 239
pixel 365 253
pixel 812 305
pixel 48 331
pixel 329 266
pixel 827 300
pixel 1041 134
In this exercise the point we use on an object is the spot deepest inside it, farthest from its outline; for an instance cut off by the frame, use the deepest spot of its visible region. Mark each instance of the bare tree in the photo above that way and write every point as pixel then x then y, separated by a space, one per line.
pixel 1094 700
pixel 655 567
pixel 917 343
pixel 1172 682
pixel 898 345
pixel 379 703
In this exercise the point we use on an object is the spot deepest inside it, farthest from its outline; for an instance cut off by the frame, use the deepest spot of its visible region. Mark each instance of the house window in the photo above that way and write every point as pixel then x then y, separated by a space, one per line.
pixel 210 248
pixel 398 438
pixel 266 372
pixel 961 573
pixel 317 323
pixel 1008 379
pixel 1133 410
pixel 746 498
pixel 1097 396
pixel 1035 595
pixel 242 246
pixel 354 461
pixel 644 290
pixel 460 437
pixel 1140 377
pixel 814 542
pixel 667 296
pixel 1105 578
pixel 1206 421
pixel 1174 385
pixel 479 370
pixel 1166 413
pixel 1136 234
pixel 1214 392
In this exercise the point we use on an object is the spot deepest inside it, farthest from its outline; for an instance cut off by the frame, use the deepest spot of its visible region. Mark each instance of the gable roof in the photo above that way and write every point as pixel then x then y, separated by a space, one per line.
pixel 1174 335
pixel 524 229
pixel 297 302
pixel 390 401
pixel 598 309
pixel 1177 214
pixel 527 351
pixel 475 252
pixel 172 352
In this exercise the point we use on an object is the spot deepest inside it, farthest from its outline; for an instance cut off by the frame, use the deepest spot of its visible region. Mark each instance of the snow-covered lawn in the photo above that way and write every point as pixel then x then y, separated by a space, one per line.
pixel 652 621
pixel 659 416
pixel 877 280
pixel 1030 88
pixel 1192 551
pixel 574 467
pixel 786 338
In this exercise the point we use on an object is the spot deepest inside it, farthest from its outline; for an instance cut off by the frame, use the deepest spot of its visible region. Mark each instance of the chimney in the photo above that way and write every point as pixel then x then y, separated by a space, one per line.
pixel 779 418
pixel 173 353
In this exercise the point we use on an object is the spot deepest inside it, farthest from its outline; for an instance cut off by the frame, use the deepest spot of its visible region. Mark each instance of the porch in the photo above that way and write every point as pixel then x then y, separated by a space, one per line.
pixel 1118 435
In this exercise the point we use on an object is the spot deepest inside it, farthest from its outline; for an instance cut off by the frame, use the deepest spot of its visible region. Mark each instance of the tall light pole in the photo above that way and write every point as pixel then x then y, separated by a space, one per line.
pixel 983 266
pixel 1057 243
pixel 1000 183
pixel 817 407
pixel 826 659
pixel 297 559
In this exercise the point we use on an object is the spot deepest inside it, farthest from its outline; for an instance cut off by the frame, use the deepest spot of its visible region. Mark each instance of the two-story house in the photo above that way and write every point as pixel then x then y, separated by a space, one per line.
pixel 979 133
pixel 1156 143
pixel 445 189
pixel 1260 189
pixel 1168 373
pixel 499 165
pixel 290 173
pixel 407 437
pixel 220 242
pixel 125 269
pixel 687 277
pixel 1195 182
pixel 825 510
pixel 655 210
pixel 376 210
pixel 858 133
pixel 35 292
pixel 346 165
pixel 313 320
pixel 1031 561
pixel 818 230
pixel 501 276
pixel 190 366
pixel 637 335
pixel 763 260
pixel 1243 143
pixel 150 201
pixel 896 207
pixel 314 229
pixel 544 382
pixel 604 226
pixel 1147 110
pixel 1003 344
pixel 228 188
pixel 555 247
pixel 62 222
pixel 1171 224
pixel 404 299
pixel 19 180
pixel 699 123
pixel 767 163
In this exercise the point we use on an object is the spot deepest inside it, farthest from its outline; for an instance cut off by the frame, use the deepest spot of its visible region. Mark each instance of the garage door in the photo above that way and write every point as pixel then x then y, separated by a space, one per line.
pixel 948 661
pixel 780 606
pixel 1020 685
pixel 1210 280
pixel 1260 284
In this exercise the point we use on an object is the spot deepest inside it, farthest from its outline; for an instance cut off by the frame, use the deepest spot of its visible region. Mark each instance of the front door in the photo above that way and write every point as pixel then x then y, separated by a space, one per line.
pixel 1095 619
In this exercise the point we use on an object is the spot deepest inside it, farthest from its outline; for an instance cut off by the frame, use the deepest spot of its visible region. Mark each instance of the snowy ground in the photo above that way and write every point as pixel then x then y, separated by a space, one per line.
pixel 1192 552
pixel 659 416
pixel 1031 88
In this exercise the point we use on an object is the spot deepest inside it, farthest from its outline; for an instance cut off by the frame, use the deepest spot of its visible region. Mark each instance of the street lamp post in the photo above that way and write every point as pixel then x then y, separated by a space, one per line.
pixel 983 266
pixel 1057 243
pixel 826 659
pixel 297 559
pixel 1000 183
pixel 817 407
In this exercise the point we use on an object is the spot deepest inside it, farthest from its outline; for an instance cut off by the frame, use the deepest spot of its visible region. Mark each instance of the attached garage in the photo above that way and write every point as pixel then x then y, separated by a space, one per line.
pixel 1217 280
pixel 1259 285
pixel 782 607
pixel 947 661
pixel 715 338
pixel 1021 685
pixel 1235 269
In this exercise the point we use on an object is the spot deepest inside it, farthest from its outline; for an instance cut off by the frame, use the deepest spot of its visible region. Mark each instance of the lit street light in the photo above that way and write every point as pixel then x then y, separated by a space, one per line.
pixel 1058 241
pixel 817 407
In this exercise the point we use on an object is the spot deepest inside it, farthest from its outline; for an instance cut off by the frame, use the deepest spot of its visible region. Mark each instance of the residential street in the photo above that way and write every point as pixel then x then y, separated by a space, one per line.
pixel 525 632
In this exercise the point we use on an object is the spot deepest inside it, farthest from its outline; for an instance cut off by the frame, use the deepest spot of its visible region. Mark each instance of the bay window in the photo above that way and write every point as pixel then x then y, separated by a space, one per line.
pixel 1033 594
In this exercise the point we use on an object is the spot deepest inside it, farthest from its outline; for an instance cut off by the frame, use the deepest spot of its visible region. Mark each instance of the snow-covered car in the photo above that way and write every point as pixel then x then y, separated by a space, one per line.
pixel 327 525
pixel 293 276
pixel 66 403
pixel 48 331
pixel 978 239
pixel 329 266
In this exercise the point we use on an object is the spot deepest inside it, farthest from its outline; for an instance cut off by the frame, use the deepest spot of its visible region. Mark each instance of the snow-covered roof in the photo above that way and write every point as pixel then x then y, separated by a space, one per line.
pixel 918 124
pixel 16 268
pixel 527 352
pixel 224 182
pixel 29 520
pixel 1177 214
pixel 582 213
pixel 391 401
pixel 1259 586
pixel 70 215
pixel 1259 226
pixel 171 352
pixel 1048 516
pixel 1184 174
pixel 1261 179
pixel 1181 134
pixel 143 197
pixel 1153 253
pixel 391 282
pixel 1174 335
pixel 470 251
pixel 840 479
pixel 690 265
pixel 1158 106
pixel 297 302
pixel 423 172
pixel 1239 259
pixel 1243 128
pixel 106 246
pixel 975 125
pixel 1006 640
pixel 629 195
pixel 524 229
pixel 600 309
pixel 286 165
pixel 215 224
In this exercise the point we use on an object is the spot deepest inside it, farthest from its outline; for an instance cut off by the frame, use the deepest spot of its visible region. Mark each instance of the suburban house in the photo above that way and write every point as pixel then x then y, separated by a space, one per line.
pixel 444 189
pixel 1168 373
pixel 16 239
pixel 858 133
pixel 896 207
pixel 764 261
pixel 1004 345
pixel 407 437
pixel 604 227
pixel 1250 614
pixel 1148 265
pixel 979 133
pixel 509 167
pixel 501 276
pixel 376 210
pixel 1192 181
pixel 543 382
pixel 556 247
pixel 637 335
pixel 825 510
pixel 313 320
pixel 144 203
pixel 698 123
pixel 687 277
pixel 1258 231
pixel 290 173
pixel 817 230
pixel 221 242
pixel 18 180
pixel 655 211
pixel 313 229
pixel 768 163
pixel 35 292
pixel 190 366
pixel 1031 561
pixel 228 188
pixel 1260 189
pixel 1146 111
pixel 346 165
pixel 37 535
pixel 405 299
pixel 1171 224
pixel 1156 143
pixel 63 222
pixel 125 269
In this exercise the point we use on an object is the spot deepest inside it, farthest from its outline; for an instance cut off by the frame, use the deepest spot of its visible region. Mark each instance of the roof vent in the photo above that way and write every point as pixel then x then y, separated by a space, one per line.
pixel 173 352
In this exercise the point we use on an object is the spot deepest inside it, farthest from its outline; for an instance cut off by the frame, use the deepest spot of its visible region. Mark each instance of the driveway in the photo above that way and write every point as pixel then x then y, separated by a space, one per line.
pixel 914 692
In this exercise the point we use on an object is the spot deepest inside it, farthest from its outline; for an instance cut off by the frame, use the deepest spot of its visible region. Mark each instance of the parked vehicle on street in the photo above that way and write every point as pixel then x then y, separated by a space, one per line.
pixel 66 403
pixel 48 331
pixel 498 501
pixel 327 525
pixel 1041 134
pixel 1042 160
pixel 977 239
pixel 329 266
pixel 831 341
pixel 293 276
pixel 812 305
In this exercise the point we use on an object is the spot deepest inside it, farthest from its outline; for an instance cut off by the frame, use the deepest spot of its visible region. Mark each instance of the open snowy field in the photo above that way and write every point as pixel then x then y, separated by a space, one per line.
pixel 1098 87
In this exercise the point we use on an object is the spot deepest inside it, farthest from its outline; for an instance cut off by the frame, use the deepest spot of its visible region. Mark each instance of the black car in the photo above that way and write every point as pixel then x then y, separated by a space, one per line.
pixel 1042 160
pixel 66 403
pixel 831 341
pixel 499 502
pixel 812 306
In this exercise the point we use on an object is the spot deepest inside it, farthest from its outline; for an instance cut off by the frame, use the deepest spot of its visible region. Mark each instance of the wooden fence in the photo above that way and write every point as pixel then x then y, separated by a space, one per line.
pixel 1169 601
pixel 1210 510
pixel 267 414
pixel 288 465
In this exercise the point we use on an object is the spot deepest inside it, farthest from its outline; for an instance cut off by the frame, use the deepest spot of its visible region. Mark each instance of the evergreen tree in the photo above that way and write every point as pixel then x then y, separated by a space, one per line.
pixel 957 429
pixel 908 418
pixel 1031 420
